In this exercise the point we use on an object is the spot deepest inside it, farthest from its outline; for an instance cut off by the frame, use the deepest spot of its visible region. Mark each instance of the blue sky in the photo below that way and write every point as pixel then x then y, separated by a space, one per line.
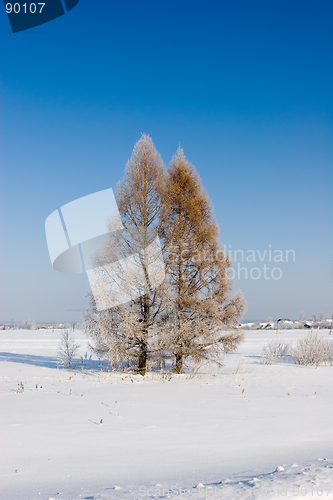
pixel 244 87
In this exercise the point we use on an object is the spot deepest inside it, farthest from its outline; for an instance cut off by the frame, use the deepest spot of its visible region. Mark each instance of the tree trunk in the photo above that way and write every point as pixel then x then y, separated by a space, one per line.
pixel 179 364
pixel 142 361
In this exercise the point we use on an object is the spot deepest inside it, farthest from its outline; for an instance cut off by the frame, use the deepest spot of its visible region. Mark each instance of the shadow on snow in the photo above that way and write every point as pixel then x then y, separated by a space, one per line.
pixel 51 362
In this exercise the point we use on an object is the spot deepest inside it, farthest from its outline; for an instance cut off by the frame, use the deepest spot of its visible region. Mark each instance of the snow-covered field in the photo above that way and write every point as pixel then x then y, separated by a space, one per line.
pixel 246 430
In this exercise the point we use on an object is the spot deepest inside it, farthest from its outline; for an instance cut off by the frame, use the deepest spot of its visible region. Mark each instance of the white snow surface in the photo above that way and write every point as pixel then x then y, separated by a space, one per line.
pixel 245 430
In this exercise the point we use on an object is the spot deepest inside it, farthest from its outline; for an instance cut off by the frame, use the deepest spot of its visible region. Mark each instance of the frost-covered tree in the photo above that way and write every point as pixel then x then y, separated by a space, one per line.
pixel 302 317
pixel 67 348
pixel 320 317
pixel 28 325
pixel 201 317
pixel 188 314
pixel 122 332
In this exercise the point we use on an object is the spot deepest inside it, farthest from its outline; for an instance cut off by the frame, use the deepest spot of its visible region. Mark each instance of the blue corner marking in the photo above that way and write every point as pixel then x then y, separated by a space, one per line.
pixel 70 4
pixel 25 14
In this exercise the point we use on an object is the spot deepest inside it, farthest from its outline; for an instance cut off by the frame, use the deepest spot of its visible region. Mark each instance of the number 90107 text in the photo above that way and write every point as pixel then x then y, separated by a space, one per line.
pixel 32 8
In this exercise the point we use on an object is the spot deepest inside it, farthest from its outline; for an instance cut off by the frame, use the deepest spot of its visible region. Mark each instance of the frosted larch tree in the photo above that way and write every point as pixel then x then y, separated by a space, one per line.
pixel 202 318
pixel 122 332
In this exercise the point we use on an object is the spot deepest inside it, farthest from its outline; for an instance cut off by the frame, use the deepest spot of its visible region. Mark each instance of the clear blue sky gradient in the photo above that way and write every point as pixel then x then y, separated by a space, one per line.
pixel 245 87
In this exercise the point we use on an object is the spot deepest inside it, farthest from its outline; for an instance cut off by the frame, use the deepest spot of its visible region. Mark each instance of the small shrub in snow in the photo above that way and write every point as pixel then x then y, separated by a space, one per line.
pixel 20 387
pixel 313 350
pixel 67 348
pixel 274 351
